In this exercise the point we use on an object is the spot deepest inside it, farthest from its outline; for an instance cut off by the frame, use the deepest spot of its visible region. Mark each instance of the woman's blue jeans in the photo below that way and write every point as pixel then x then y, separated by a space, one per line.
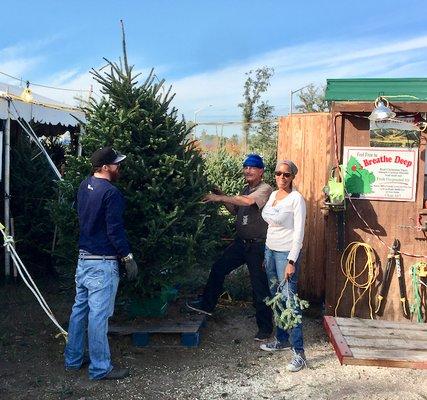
pixel 275 264
pixel 96 288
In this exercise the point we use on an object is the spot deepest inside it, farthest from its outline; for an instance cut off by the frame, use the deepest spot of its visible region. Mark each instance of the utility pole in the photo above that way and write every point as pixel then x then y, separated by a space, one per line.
pixel 195 119
pixel 292 92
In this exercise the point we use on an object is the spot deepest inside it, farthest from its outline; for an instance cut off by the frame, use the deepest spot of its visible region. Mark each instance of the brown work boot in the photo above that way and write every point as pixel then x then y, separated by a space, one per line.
pixel 116 373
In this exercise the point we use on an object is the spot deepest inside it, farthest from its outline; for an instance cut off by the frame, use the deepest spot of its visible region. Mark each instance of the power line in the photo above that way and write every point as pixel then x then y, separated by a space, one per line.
pixel 263 121
pixel 43 86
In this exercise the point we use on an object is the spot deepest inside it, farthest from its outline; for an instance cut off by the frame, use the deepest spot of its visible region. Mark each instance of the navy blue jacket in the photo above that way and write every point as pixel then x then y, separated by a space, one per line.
pixel 100 207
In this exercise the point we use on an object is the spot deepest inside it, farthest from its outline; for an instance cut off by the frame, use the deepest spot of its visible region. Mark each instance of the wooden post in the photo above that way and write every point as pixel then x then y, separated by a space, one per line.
pixel 12 233
pixel 1 154
pixel 7 190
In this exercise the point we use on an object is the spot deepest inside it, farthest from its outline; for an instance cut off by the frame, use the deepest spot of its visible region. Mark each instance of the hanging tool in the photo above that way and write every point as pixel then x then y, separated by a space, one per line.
pixel 393 259
pixel 401 279
pixel 419 277
pixel 340 230
pixel 386 277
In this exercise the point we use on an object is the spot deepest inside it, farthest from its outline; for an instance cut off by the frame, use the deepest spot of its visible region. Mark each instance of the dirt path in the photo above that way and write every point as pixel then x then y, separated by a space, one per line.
pixel 227 365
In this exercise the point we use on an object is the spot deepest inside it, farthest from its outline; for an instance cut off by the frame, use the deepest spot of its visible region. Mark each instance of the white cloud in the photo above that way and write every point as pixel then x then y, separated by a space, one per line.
pixel 296 66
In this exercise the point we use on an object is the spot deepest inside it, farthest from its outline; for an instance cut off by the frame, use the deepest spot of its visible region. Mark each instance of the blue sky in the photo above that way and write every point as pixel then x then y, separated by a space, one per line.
pixel 204 48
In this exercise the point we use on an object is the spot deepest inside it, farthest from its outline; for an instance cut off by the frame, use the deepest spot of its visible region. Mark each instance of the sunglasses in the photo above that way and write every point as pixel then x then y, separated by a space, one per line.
pixel 285 174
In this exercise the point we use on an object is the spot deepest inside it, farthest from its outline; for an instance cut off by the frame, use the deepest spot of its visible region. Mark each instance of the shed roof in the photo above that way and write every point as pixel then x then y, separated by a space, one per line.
pixel 368 89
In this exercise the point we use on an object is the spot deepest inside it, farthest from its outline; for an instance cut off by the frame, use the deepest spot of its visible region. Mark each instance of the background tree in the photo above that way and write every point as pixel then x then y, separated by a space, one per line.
pixel 32 190
pixel 312 100
pixel 256 83
pixel 264 139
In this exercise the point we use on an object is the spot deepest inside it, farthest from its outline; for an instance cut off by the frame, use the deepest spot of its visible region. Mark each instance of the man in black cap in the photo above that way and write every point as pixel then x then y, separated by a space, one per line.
pixel 102 244
pixel 247 248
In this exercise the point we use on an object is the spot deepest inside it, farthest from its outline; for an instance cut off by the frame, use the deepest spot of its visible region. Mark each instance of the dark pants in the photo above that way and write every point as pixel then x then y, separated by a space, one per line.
pixel 235 255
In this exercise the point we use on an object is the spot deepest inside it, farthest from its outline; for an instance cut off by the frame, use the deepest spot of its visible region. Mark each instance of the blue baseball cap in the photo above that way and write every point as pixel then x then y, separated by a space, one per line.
pixel 253 160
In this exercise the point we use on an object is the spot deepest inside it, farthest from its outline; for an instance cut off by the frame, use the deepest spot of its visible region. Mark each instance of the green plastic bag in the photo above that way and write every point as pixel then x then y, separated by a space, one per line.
pixel 335 187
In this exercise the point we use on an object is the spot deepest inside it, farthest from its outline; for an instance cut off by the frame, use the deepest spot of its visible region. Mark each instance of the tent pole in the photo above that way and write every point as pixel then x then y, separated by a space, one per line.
pixel 80 148
pixel 7 190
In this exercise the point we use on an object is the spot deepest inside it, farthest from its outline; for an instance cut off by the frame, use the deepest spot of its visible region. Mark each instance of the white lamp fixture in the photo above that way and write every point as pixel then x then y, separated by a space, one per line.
pixel 382 110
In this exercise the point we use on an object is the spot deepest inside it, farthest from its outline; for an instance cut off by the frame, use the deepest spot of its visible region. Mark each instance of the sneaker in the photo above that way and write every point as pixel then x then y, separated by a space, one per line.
pixel 116 373
pixel 298 362
pixel 196 305
pixel 275 346
pixel 261 336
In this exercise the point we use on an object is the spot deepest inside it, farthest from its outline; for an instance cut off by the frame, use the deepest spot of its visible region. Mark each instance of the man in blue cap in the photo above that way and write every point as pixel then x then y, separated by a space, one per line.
pixel 247 248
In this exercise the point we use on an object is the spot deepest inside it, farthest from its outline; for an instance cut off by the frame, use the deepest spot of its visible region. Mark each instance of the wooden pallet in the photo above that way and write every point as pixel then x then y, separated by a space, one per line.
pixel 374 342
pixel 189 330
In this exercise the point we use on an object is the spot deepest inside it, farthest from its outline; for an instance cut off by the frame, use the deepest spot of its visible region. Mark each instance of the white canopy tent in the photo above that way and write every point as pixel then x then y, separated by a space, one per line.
pixel 39 109
pixel 16 106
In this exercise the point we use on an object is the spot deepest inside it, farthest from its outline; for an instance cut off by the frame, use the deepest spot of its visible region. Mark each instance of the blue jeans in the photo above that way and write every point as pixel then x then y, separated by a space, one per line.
pixel 275 264
pixel 96 288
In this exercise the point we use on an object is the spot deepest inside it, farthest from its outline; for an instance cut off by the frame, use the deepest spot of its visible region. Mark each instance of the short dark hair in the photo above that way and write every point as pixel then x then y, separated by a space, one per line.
pixel 96 169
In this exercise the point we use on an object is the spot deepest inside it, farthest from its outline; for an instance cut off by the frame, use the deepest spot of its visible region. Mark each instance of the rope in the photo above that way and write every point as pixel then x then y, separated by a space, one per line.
pixel 23 272
pixel 349 271
pixel 374 234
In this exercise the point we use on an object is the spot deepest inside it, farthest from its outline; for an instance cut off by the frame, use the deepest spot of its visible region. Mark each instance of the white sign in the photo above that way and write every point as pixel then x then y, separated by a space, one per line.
pixel 381 173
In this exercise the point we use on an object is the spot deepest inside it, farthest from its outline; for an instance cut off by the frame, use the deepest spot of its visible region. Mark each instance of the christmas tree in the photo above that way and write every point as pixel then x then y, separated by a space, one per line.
pixel 171 231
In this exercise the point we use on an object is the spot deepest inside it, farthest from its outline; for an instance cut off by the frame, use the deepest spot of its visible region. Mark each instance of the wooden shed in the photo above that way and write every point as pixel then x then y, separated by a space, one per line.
pixel 392 207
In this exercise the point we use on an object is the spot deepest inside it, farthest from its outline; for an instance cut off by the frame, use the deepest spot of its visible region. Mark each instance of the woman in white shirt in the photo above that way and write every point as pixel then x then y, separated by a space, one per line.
pixel 285 214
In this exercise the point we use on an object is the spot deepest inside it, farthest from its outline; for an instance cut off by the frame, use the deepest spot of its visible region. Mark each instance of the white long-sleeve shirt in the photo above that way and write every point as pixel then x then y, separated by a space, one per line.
pixel 286 221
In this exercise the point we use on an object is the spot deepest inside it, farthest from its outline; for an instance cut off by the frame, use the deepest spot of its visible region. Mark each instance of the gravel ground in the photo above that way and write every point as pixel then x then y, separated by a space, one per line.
pixel 227 365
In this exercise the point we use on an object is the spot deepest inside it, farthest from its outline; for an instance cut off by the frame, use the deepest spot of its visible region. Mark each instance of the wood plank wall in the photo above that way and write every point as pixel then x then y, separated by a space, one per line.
pixel 308 140
pixel 384 217
pixel 305 139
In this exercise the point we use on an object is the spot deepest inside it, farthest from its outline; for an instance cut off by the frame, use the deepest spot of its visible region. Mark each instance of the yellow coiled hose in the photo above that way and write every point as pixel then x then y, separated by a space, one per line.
pixel 353 277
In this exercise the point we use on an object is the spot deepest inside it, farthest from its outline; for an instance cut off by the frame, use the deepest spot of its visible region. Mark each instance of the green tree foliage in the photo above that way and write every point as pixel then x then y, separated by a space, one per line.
pixel 256 83
pixel 312 100
pixel 270 161
pixel 264 139
pixel 163 179
pixel 224 171
pixel 32 188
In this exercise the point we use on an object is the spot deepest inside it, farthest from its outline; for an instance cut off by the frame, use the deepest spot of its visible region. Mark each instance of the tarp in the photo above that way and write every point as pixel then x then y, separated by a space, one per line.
pixel 41 109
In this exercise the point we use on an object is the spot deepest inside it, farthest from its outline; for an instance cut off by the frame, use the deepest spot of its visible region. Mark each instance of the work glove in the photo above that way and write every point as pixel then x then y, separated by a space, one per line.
pixel 131 267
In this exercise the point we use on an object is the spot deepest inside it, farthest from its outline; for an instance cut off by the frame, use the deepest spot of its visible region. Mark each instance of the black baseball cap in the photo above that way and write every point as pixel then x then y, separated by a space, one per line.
pixel 106 156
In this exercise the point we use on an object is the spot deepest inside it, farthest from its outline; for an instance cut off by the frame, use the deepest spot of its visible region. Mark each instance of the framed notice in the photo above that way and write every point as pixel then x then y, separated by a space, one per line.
pixel 398 132
pixel 381 173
